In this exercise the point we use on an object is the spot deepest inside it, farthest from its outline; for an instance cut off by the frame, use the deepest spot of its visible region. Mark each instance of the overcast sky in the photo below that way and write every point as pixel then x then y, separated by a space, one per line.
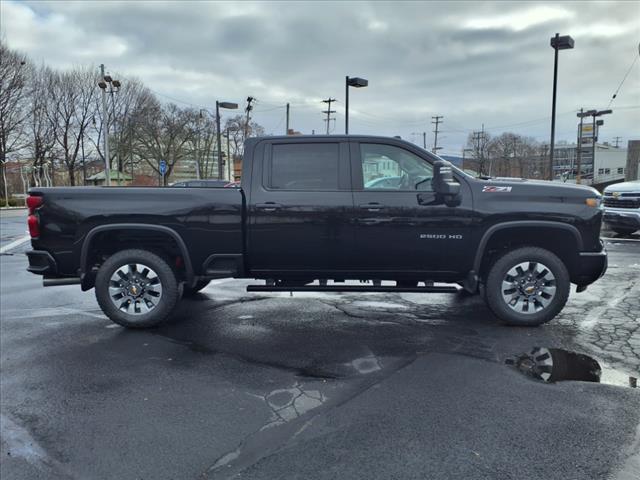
pixel 473 63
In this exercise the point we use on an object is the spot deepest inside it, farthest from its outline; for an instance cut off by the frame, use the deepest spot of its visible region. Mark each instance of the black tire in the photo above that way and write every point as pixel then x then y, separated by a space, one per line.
pixel 191 291
pixel 623 231
pixel 556 279
pixel 164 279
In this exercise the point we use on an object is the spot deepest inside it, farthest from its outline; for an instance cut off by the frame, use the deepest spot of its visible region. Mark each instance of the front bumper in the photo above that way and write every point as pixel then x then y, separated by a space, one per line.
pixel 592 266
pixel 622 217
pixel 42 263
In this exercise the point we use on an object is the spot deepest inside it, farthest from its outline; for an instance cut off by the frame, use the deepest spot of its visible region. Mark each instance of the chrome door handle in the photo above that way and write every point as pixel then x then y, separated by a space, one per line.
pixel 269 206
pixel 372 207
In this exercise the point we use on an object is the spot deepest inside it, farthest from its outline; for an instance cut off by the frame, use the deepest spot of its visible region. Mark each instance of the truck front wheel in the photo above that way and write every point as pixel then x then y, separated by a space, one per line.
pixel 527 286
pixel 136 289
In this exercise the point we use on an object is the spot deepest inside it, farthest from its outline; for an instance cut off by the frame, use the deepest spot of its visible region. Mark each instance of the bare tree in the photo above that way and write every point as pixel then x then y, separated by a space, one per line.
pixel 13 107
pixel 41 145
pixel 477 143
pixel 202 144
pixel 73 107
pixel 236 128
pixel 512 155
pixel 165 133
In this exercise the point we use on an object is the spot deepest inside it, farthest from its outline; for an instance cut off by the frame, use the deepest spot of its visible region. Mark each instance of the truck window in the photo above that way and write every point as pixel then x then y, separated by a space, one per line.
pixel 304 166
pixel 385 167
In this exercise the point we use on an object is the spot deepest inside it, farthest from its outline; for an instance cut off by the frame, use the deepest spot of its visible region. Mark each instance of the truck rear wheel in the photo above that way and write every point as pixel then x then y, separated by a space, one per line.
pixel 136 289
pixel 528 286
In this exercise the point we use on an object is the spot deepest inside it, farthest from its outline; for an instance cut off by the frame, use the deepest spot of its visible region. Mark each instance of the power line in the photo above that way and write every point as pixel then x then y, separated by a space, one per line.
pixel 625 77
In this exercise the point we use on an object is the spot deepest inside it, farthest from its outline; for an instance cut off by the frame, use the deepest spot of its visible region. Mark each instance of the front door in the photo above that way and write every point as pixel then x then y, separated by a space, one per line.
pixel 299 209
pixel 401 226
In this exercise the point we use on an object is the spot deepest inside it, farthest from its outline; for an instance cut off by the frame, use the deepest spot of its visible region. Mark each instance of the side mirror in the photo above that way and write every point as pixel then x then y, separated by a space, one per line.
pixel 444 185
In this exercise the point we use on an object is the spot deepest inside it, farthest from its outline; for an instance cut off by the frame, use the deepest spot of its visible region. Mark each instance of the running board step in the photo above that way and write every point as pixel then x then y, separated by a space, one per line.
pixel 349 288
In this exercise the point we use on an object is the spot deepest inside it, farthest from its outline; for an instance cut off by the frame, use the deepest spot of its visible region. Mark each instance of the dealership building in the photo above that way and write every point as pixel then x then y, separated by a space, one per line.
pixel 608 164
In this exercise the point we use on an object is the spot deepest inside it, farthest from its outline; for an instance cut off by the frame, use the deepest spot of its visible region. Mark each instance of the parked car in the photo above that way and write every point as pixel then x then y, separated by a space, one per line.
pixel 304 213
pixel 622 207
pixel 205 184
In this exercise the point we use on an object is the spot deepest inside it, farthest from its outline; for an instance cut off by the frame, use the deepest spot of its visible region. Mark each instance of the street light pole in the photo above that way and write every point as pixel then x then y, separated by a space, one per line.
pixel 219 105
pixel 218 141
pixel 579 149
pixel 105 128
pixel 346 105
pixel 557 43
pixel 351 82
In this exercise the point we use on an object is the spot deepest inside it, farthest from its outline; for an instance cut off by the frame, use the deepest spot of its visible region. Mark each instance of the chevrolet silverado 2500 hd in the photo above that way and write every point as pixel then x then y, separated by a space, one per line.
pixel 309 216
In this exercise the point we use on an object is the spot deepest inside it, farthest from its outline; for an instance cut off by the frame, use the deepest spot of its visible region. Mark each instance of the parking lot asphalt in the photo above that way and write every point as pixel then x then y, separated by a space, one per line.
pixel 313 386
pixel 13 225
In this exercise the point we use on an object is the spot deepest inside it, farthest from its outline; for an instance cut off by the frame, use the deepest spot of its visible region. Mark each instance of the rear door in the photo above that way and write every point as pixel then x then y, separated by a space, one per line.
pixel 300 208
pixel 401 226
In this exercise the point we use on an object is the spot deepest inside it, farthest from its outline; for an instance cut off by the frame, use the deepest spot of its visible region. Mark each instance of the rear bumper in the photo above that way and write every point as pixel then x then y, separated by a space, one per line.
pixel 591 267
pixel 42 263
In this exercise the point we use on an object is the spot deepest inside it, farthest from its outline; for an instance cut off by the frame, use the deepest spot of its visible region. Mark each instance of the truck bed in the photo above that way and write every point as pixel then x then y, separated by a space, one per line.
pixel 206 219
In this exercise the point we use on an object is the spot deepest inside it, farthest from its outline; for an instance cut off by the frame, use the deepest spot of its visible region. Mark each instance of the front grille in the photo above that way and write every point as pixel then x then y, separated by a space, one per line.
pixel 621 202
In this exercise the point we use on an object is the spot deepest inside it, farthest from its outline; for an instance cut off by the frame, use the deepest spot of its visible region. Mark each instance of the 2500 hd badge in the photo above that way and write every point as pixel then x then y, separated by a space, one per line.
pixel 440 236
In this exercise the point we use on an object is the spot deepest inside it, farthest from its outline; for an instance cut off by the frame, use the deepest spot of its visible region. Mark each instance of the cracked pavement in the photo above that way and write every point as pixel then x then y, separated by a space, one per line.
pixel 313 386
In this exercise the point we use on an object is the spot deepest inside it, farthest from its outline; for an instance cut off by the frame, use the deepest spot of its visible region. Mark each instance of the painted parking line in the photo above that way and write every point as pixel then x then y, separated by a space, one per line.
pixel 15 243
pixel 609 239
pixel 48 312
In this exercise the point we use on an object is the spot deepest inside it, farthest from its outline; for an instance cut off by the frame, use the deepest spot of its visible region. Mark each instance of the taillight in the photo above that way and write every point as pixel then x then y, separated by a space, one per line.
pixel 33 203
pixel 32 220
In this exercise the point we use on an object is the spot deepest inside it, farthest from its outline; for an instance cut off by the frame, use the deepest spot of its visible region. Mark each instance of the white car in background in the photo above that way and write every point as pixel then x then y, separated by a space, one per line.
pixel 622 207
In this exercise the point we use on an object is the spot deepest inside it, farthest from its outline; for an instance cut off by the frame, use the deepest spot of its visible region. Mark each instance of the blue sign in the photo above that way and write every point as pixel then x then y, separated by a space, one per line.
pixel 163 167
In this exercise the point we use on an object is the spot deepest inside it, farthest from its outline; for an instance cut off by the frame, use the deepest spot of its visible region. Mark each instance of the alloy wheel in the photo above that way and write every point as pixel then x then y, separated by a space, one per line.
pixel 528 287
pixel 135 289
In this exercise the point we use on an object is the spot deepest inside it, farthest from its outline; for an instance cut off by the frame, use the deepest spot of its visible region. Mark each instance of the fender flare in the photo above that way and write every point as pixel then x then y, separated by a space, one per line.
pixel 518 224
pixel 84 252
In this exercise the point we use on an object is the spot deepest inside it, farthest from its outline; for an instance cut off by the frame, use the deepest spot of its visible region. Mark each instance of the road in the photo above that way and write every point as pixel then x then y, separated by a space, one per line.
pixel 13 225
pixel 313 386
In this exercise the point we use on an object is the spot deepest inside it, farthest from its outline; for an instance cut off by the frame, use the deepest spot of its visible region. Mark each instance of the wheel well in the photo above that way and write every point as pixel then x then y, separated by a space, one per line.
pixel 105 243
pixel 561 242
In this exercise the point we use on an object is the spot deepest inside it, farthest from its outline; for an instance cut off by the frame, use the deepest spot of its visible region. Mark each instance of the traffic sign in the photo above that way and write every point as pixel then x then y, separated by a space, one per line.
pixel 163 167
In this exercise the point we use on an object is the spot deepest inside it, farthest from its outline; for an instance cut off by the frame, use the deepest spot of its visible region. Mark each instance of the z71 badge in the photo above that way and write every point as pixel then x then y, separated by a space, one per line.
pixel 493 189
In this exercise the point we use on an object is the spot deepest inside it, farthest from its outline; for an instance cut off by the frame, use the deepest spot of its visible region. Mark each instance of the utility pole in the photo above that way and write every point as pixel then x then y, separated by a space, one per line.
pixel 105 131
pixel 198 154
pixel 424 140
pixel 328 111
pixel 248 110
pixel 437 120
pixel 286 132
pixel 478 138
pixel 617 140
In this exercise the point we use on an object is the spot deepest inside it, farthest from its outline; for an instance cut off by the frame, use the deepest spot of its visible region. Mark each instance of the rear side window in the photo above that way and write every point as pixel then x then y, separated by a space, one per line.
pixel 304 166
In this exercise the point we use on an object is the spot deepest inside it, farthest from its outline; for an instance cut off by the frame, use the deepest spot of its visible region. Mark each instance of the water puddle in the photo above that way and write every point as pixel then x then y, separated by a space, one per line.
pixel 556 365
pixel 366 365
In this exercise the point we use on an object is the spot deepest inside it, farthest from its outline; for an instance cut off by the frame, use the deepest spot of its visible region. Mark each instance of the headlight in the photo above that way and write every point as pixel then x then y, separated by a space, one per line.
pixel 593 202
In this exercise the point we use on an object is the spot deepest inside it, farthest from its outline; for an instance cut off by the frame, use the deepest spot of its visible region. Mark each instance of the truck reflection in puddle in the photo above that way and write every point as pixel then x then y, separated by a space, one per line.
pixel 555 364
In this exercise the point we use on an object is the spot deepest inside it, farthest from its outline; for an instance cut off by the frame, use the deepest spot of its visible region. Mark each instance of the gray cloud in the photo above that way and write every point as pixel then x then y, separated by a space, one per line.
pixel 474 63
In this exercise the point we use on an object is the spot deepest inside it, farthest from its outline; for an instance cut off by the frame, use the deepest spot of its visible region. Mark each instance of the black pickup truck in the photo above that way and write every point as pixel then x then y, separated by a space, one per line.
pixel 312 213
